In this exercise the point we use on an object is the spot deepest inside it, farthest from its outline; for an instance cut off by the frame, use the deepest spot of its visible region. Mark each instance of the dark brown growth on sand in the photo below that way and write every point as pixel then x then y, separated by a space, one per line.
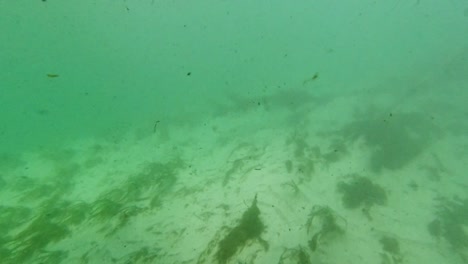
pixel 250 227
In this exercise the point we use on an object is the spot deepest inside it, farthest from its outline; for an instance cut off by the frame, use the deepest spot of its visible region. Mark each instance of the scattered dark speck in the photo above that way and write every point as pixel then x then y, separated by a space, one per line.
pixel 189 73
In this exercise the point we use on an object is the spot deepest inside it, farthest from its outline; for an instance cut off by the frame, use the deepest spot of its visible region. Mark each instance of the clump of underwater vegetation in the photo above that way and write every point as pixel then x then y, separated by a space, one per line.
pixel 155 178
pixel 451 224
pixel 112 215
pixel 324 225
pixel 295 255
pixel 391 248
pixel 360 191
pixel 51 257
pixel 117 206
pixel 35 238
pixel 142 255
pixel 34 231
pixel 242 159
pixel 250 227
pixel 12 217
pixel 66 212
pixel 103 209
pixel 394 139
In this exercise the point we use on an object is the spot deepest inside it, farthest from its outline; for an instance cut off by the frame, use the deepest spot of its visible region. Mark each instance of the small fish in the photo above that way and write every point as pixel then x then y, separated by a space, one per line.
pixel 52 75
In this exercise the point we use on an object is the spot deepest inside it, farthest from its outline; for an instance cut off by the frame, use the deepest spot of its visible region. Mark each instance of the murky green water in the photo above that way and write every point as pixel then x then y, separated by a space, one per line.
pixel 141 131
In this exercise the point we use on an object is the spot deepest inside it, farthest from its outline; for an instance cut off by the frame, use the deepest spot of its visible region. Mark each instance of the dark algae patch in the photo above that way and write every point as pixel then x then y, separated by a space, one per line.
pixel 391 250
pixel 250 227
pixel 451 223
pixel 27 234
pixel 390 245
pixel 395 140
pixel 361 192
